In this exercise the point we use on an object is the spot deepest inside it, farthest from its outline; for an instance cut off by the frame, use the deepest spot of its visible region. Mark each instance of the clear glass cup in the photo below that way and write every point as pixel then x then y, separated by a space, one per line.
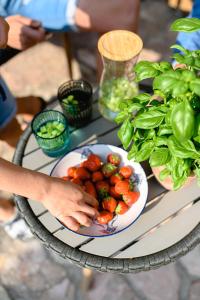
pixel 75 97
pixel 119 50
pixel 56 145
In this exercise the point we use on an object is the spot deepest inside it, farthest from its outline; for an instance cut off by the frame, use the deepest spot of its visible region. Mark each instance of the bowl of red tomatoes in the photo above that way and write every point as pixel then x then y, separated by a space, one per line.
pixel 119 185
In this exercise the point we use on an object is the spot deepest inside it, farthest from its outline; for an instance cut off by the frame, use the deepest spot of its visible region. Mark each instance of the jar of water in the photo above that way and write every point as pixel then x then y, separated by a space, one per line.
pixel 119 50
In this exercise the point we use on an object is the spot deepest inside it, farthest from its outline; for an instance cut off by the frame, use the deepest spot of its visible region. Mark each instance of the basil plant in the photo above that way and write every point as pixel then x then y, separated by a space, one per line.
pixel 164 127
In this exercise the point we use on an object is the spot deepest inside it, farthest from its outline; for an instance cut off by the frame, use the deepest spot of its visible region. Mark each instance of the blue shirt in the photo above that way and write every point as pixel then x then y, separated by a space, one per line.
pixel 55 15
pixel 191 41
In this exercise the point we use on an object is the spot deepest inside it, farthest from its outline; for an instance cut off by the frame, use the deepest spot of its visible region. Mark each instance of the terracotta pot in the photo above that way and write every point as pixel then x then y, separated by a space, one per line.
pixel 167 183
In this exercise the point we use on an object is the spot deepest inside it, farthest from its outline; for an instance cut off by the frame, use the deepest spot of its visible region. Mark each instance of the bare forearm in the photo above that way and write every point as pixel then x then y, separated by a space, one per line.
pixel 64 200
pixel 22 181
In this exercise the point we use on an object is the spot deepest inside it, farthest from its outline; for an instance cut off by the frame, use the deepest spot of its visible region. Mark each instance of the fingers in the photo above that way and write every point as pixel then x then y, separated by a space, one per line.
pixel 36 24
pixel 70 222
pixel 82 218
pixel 91 200
pixel 33 35
pixel 90 211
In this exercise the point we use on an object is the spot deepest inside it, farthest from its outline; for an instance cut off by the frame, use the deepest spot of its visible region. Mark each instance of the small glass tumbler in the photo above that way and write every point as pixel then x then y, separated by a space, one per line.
pixel 58 144
pixel 75 97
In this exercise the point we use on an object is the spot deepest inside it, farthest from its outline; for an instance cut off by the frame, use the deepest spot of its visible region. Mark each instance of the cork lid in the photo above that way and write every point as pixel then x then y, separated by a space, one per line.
pixel 120 45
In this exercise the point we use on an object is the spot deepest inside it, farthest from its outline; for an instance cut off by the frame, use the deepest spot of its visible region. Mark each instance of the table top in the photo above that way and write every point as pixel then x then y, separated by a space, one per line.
pixel 167 228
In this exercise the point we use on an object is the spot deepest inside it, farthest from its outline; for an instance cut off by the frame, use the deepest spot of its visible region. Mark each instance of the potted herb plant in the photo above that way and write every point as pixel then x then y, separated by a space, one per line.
pixel 164 127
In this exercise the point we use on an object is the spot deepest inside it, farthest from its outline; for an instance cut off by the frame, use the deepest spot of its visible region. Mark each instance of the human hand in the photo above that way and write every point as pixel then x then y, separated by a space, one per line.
pixel 24 32
pixel 69 203
pixel 4 28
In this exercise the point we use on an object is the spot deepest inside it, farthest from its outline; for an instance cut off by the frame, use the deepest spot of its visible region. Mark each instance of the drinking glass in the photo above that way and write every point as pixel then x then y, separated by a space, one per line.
pixel 51 146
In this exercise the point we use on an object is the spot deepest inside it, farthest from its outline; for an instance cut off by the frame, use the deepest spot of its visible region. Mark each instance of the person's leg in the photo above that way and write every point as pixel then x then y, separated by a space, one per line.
pixel 9 217
pixel 10 132
pixel 7 210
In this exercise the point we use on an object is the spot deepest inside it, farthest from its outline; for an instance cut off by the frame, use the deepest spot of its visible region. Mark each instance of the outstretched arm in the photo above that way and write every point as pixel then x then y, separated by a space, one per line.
pixel 64 200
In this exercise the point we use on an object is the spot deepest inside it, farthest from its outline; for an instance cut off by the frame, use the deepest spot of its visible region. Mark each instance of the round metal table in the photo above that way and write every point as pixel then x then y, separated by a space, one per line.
pixel 167 229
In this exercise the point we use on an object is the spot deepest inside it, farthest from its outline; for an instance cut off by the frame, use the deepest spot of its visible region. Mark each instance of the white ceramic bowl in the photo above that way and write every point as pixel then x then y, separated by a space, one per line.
pixel 120 222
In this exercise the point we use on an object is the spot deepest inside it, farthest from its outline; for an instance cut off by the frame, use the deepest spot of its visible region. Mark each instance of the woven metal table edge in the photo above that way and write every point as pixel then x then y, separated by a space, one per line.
pixel 99 263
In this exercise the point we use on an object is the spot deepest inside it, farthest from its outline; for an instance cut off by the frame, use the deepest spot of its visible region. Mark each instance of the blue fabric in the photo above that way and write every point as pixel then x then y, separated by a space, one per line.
pixel 191 41
pixel 3 4
pixel 7 105
pixel 52 13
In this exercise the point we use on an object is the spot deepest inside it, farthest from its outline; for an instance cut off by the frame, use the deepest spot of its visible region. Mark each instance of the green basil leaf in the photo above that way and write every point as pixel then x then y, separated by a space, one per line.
pixel 186 25
pixel 180 170
pixel 161 108
pixel 134 107
pixel 197 139
pixel 144 70
pixel 197 63
pixel 183 121
pixel 167 81
pixel 180 167
pixel 162 66
pixel 195 103
pixel 188 75
pixel 197 173
pixel 159 157
pixel 197 125
pixel 155 102
pixel 179 58
pixel 179 182
pixel 121 117
pixel 149 119
pixel 179 89
pixel 138 135
pixel 149 134
pixel 195 86
pixel 189 61
pixel 133 152
pixel 144 97
pixel 145 151
pixel 182 150
pixel 161 141
pixel 179 47
pixel 165 66
pixel 125 133
pixel 164 174
pixel 164 130
pixel 168 118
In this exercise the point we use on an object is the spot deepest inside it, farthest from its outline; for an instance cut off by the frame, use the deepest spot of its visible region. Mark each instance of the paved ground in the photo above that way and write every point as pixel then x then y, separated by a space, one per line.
pixel 30 272
pixel 27 270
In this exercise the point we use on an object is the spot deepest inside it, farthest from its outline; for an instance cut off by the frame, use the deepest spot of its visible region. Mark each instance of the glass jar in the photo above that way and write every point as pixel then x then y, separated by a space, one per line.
pixel 119 50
